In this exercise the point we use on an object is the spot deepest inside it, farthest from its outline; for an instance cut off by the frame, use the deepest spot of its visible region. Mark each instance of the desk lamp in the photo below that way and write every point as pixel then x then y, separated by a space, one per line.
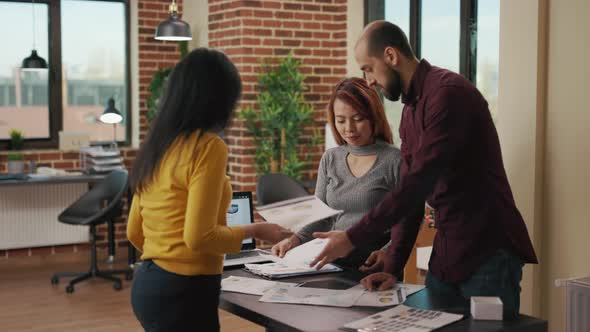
pixel 111 115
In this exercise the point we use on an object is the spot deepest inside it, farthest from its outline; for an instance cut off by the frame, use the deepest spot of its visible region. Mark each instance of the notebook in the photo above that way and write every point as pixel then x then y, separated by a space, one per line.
pixel 295 263
pixel 240 212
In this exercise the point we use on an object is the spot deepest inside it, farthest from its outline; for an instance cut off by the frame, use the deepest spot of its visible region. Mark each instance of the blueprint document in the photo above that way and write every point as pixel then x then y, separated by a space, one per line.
pixel 314 296
pixel 297 212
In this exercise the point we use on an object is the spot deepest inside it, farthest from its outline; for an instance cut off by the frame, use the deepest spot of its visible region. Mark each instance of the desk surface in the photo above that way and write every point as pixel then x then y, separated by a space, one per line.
pixel 84 178
pixel 294 317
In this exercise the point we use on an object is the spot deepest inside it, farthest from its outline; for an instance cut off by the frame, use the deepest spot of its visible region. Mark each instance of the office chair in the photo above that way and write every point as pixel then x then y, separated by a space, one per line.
pixel 278 187
pixel 99 205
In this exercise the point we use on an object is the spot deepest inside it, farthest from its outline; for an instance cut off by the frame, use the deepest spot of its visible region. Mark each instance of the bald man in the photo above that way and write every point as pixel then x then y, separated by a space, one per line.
pixel 452 160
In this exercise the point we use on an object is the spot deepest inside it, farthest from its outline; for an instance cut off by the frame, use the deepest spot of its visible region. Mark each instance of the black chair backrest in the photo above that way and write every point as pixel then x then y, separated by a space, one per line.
pixel 90 208
pixel 278 187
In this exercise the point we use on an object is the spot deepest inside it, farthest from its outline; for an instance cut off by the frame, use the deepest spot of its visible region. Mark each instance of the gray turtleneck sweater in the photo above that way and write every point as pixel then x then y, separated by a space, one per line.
pixel 339 189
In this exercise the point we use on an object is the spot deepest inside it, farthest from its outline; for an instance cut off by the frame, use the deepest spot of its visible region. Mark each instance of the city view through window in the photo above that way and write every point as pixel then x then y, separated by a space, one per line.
pixel 94 62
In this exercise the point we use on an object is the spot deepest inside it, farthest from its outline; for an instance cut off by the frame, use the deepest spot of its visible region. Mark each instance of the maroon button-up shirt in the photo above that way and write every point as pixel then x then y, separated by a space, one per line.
pixel 451 159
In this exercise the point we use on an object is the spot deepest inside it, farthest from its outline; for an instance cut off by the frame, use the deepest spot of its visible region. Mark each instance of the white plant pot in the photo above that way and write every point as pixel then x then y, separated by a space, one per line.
pixel 16 166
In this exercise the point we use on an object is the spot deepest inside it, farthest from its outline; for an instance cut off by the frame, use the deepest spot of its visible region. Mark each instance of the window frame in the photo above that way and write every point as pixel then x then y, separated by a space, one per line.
pixel 375 10
pixel 55 79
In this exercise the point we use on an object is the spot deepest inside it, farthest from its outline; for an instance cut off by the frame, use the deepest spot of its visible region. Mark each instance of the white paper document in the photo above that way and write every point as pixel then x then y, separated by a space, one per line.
pixel 386 298
pixel 296 213
pixel 253 286
pixel 305 253
pixel 403 319
pixel 314 296
pixel 409 288
pixel 296 262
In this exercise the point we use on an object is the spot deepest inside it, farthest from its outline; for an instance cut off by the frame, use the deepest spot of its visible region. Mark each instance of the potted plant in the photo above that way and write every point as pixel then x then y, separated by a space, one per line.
pixel 157 84
pixel 16 160
pixel 280 119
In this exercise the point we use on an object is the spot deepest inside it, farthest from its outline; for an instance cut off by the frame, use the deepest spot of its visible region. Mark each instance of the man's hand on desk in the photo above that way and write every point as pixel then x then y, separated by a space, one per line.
pixel 375 262
pixel 379 281
pixel 338 246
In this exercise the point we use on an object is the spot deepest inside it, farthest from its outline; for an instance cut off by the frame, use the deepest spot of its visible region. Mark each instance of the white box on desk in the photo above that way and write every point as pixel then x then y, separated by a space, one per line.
pixel 486 308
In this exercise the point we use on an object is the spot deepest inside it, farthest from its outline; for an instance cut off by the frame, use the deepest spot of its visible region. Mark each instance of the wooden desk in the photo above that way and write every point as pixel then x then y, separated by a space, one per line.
pixel 294 317
pixel 48 183
pixel 84 178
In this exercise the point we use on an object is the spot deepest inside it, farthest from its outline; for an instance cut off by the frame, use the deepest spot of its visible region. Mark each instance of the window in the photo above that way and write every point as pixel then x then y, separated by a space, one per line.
pixel 488 45
pixel 94 68
pixel 24 95
pixel 459 35
pixel 440 32
pixel 88 61
pixel 398 12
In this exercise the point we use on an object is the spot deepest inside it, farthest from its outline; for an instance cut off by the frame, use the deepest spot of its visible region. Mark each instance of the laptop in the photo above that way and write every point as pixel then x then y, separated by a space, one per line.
pixel 240 212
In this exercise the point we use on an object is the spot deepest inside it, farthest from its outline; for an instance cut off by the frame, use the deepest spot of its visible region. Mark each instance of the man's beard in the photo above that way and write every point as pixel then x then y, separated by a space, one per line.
pixel 393 90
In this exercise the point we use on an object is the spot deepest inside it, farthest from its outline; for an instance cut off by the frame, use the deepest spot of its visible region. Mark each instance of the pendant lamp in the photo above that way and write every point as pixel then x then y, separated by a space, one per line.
pixel 173 28
pixel 34 61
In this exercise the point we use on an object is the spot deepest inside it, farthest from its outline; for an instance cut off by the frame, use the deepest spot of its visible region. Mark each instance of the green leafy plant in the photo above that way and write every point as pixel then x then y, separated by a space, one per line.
pixel 157 84
pixel 17 139
pixel 280 119
pixel 15 156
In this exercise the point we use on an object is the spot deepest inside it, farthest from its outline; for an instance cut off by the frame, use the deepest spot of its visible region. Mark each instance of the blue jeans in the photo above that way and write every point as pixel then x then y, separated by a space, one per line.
pixel 164 301
pixel 500 276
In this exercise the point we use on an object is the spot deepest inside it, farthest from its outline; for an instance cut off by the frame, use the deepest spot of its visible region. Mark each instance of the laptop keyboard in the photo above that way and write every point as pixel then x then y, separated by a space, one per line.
pixel 242 255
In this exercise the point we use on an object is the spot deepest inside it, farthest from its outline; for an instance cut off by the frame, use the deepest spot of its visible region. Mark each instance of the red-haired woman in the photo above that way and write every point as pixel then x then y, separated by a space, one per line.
pixel 355 176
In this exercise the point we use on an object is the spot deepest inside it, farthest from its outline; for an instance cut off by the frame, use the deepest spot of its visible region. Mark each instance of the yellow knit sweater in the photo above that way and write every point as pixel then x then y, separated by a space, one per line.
pixel 179 220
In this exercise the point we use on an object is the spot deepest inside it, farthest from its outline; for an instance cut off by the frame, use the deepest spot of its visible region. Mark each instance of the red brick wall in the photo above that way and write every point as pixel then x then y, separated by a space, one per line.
pixel 153 55
pixel 251 30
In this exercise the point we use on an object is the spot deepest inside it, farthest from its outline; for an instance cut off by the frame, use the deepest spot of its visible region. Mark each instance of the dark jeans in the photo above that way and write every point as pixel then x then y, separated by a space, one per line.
pixel 500 276
pixel 164 301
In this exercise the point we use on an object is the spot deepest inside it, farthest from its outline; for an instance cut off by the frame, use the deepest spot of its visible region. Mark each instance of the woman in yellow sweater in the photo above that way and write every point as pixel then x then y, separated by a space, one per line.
pixel 178 215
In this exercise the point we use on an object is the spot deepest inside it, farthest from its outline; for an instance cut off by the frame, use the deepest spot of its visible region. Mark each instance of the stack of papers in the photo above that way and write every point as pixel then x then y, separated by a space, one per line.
pixel 403 319
pixel 297 212
pixel 100 160
pixel 285 270
pixel 295 263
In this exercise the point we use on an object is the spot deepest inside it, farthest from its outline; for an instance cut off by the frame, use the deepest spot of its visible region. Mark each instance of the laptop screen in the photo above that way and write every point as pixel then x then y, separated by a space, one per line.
pixel 240 213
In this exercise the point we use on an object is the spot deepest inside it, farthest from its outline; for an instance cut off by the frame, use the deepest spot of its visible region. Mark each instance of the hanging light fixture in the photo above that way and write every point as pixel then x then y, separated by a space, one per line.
pixel 173 28
pixel 34 61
